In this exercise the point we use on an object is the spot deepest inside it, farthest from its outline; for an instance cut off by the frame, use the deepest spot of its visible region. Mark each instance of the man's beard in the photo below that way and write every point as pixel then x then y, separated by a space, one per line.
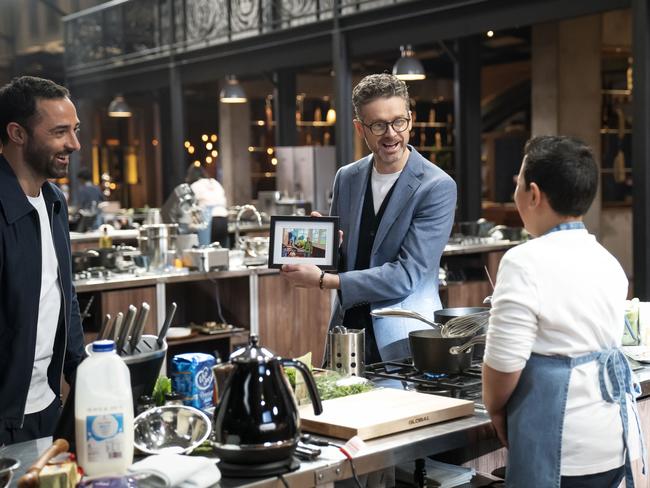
pixel 42 161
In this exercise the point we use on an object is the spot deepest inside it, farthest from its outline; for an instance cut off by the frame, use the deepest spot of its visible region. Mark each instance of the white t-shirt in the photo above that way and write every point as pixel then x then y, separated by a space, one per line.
pixel 210 193
pixel 40 394
pixel 564 294
pixel 381 185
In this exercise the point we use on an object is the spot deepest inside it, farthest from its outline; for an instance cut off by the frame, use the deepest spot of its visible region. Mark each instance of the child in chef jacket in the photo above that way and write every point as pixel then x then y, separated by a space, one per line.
pixel 555 327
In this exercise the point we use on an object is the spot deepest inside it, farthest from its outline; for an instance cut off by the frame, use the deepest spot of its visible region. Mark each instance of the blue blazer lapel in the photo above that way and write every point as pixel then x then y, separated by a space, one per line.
pixel 405 187
pixel 357 190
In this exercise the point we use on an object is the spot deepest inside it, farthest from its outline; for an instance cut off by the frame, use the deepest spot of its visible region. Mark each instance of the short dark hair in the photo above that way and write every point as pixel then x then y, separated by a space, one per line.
pixel 375 86
pixel 565 170
pixel 18 101
pixel 84 174
pixel 195 173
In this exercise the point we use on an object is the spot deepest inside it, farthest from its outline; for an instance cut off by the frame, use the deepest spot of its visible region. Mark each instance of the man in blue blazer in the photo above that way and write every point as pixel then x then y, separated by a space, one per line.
pixel 396 210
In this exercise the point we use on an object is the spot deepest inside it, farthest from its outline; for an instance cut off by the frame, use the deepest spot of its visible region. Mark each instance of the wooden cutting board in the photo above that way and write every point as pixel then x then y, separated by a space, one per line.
pixel 381 412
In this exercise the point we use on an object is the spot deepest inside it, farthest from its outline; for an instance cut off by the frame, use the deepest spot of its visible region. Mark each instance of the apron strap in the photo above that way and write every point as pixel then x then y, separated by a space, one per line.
pixel 616 383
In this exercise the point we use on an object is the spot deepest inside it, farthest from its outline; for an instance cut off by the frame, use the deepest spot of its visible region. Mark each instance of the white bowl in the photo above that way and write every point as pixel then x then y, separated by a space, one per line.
pixel 178 332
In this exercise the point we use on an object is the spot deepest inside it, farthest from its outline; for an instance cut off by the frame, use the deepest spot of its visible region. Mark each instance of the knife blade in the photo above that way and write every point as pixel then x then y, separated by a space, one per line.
pixel 168 321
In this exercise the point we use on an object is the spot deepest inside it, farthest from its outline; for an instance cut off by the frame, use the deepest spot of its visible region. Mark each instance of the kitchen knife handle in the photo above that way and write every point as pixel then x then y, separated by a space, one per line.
pixel 138 328
pixel 126 329
pixel 114 332
pixel 102 330
pixel 171 311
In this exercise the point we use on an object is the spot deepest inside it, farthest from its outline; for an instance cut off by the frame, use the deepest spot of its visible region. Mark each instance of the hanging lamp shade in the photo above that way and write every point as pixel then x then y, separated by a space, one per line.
pixel 232 92
pixel 408 67
pixel 119 108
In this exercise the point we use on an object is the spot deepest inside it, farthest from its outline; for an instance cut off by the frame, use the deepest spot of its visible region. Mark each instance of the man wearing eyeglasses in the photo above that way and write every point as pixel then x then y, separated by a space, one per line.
pixel 396 210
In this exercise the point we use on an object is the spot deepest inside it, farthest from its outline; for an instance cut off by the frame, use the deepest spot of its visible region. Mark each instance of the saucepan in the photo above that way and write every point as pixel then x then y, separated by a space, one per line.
pixel 431 354
pixel 430 350
pixel 444 315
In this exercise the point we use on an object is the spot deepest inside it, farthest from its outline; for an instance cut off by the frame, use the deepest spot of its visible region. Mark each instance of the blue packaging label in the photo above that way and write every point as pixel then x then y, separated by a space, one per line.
pixel 105 436
pixel 192 378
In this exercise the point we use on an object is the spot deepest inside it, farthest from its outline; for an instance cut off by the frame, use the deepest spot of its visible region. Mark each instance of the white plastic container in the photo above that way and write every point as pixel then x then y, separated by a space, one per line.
pixel 103 412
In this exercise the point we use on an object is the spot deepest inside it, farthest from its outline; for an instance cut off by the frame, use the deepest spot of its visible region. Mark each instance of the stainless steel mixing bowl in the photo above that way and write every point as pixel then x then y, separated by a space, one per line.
pixel 171 429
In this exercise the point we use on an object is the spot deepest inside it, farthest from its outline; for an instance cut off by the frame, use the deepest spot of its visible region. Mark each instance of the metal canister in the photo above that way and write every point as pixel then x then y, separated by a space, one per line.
pixel 347 348
pixel 158 243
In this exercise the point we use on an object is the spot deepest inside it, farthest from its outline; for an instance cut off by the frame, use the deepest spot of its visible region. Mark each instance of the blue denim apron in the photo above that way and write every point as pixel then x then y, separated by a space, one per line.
pixel 535 415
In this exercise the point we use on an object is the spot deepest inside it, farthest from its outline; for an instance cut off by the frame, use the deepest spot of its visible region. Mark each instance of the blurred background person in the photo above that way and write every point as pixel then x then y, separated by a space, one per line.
pixel 88 194
pixel 88 197
pixel 211 197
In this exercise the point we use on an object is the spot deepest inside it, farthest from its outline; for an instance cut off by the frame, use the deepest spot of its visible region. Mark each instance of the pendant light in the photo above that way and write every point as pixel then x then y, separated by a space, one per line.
pixel 119 108
pixel 232 92
pixel 408 67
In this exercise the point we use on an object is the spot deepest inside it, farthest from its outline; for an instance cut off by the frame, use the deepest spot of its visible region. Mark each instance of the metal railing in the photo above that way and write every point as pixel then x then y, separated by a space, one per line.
pixel 124 31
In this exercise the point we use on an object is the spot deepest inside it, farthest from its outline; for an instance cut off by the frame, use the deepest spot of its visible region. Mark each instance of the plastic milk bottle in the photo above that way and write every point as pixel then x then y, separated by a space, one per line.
pixel 103 411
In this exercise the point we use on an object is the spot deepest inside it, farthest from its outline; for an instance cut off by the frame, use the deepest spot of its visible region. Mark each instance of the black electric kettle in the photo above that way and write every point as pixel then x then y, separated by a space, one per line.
pixel 257 419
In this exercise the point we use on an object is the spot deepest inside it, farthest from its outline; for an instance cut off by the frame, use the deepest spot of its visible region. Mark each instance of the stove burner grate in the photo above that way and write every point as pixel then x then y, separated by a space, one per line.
pixel 465 386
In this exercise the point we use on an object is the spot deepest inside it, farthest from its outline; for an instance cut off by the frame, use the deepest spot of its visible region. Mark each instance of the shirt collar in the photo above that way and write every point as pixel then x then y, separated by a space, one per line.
pixel 12 197
pixel 566 226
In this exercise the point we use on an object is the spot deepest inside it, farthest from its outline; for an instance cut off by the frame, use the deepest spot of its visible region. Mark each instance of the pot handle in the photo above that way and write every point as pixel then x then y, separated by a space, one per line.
pixel 309 381
pixel 401 312
pixel 479 339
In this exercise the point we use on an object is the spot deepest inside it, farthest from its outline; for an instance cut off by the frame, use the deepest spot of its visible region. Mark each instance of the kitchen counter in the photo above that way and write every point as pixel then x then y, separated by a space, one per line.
pixel 379 453
pixel 456 249
pixel 129 280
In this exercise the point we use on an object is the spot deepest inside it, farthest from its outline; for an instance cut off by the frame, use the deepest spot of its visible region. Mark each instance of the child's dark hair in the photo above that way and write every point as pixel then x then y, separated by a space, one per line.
pixel 565 170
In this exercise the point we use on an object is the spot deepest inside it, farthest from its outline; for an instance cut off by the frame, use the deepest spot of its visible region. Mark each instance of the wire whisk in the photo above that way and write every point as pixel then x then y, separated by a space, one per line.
pixel 465 325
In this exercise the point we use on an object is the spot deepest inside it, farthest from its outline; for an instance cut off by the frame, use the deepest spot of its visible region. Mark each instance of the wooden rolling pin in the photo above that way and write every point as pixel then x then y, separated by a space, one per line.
pixel 30 478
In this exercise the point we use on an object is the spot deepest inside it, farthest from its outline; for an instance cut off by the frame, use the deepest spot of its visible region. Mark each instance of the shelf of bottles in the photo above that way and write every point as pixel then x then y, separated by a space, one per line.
pixel 432 132
pixel 616 130
pixel 315 121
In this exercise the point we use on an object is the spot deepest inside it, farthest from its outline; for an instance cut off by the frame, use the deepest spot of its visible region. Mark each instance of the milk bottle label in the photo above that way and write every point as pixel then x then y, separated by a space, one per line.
pixel 105 437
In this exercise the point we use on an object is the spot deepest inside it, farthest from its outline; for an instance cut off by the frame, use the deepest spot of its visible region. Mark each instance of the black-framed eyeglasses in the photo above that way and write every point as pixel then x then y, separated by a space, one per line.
pixel 400 124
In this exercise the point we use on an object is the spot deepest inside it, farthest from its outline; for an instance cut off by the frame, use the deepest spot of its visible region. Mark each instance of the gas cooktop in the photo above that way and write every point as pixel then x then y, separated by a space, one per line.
pixel 100 272
pixel 466 386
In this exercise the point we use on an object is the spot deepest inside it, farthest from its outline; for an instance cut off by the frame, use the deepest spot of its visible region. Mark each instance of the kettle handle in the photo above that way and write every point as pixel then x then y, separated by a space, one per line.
pixel 309 381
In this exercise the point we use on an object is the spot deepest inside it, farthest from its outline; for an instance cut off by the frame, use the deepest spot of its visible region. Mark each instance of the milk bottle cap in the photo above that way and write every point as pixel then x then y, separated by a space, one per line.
pixel 103 346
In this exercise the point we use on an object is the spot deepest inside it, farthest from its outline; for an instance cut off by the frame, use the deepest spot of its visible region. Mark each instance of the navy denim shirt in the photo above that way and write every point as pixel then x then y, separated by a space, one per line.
pixel 20 285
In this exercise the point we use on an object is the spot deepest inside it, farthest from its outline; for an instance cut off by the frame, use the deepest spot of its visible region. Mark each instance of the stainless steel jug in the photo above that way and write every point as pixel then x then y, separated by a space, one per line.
pixel 158 243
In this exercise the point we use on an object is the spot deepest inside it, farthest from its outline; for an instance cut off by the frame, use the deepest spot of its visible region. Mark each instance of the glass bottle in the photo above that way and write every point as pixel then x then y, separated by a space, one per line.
pixel 105 240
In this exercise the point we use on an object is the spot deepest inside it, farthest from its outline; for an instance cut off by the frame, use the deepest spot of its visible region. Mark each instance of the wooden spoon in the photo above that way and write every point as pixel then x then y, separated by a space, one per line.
pixel 30 478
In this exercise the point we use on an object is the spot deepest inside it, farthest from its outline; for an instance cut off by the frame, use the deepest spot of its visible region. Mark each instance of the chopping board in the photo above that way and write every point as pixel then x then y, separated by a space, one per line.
pixel 381 412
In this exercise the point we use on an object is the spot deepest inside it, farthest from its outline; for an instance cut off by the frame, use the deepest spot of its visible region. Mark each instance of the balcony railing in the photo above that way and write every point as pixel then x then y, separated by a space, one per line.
pixel 124 31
